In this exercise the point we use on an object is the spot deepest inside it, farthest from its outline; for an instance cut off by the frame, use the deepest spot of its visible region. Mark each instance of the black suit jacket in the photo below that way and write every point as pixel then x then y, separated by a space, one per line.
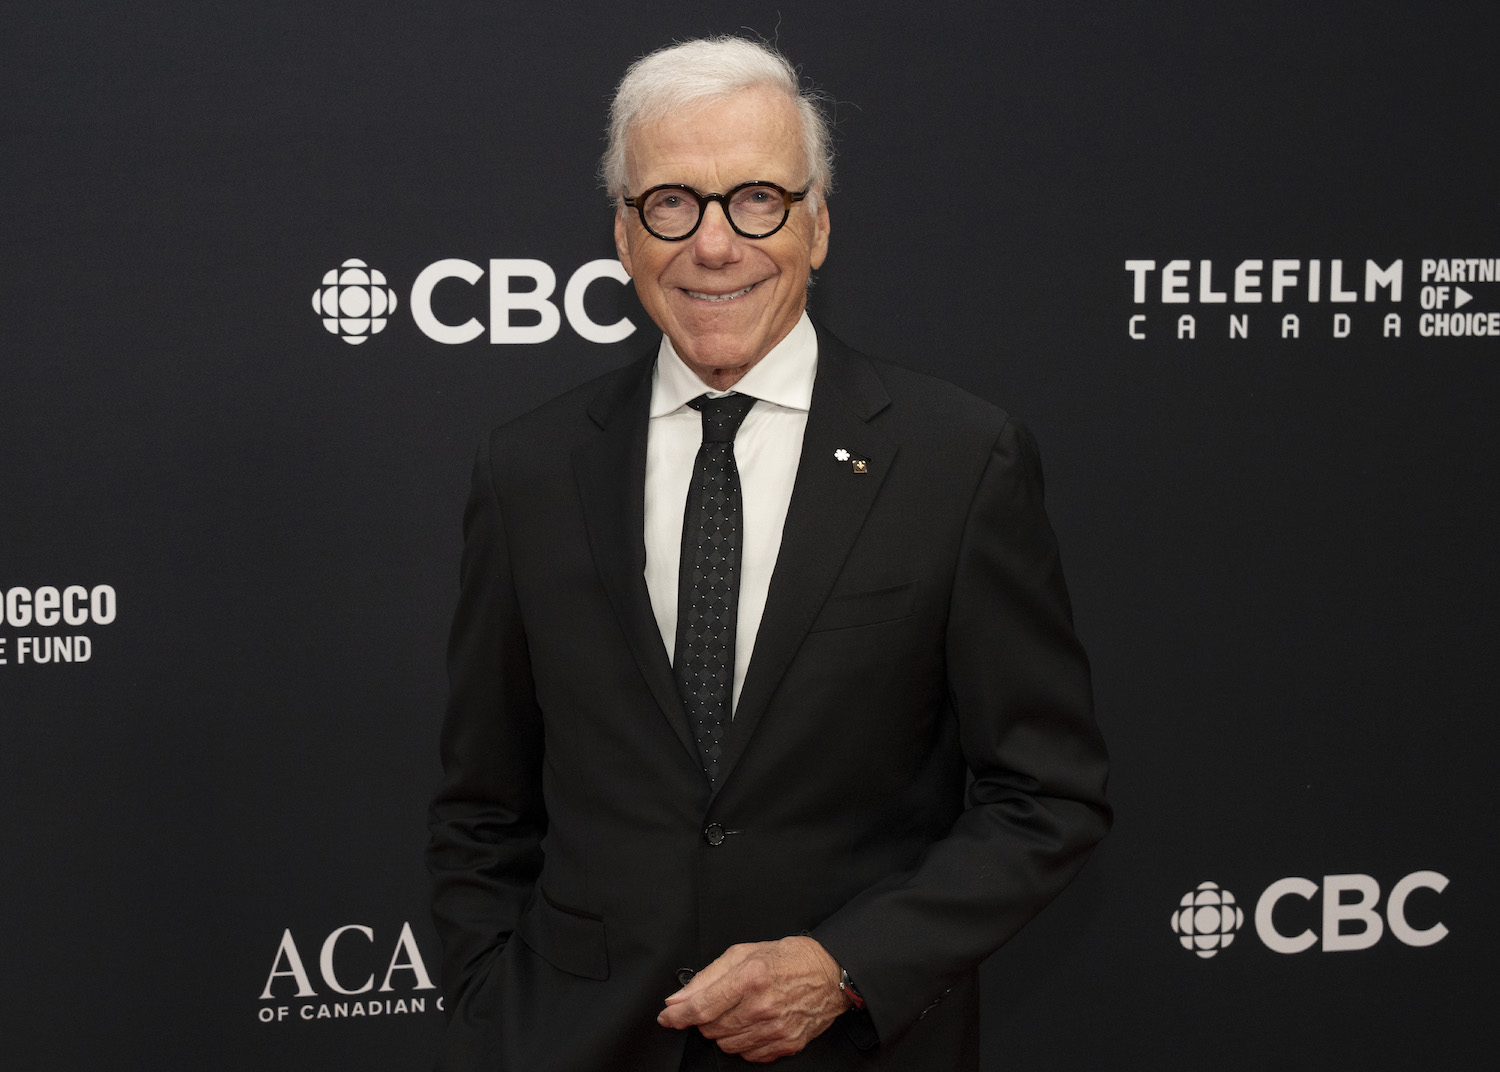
pixel 917 628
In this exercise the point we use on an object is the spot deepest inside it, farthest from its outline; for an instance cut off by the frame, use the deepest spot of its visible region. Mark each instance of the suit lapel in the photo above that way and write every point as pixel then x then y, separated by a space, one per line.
pixel 828 507
pixel 611 475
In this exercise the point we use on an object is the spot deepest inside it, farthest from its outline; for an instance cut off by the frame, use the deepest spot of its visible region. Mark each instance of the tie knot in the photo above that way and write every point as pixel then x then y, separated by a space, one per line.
pixel 722 416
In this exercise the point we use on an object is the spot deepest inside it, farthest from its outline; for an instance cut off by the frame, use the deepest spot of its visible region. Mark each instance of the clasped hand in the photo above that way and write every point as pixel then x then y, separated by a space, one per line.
pixel 761 1000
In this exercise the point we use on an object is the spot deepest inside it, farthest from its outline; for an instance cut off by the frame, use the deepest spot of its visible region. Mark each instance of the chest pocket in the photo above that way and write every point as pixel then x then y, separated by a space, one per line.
pixel 845 610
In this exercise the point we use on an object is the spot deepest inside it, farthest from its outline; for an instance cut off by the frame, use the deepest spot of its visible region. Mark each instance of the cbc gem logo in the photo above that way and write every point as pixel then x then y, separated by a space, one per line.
pixel 354 301
pixel 1207 920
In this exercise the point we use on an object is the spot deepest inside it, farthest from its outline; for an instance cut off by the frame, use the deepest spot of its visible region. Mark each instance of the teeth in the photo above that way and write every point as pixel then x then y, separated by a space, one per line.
pixel 718 297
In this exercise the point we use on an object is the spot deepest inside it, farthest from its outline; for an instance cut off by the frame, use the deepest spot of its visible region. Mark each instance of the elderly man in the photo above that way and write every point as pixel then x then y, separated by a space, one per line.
pixel 768 722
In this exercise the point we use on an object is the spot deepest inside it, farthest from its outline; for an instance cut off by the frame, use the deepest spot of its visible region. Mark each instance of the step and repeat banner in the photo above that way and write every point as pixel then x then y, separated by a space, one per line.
pixel 270 271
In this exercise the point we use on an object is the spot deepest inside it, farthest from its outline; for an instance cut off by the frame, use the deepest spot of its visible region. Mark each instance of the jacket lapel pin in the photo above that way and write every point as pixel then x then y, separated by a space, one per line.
pixel 859 465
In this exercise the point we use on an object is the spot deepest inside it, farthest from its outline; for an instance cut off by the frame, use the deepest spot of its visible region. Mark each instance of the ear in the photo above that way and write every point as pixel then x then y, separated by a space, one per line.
pixel 622 242
pixel 819 248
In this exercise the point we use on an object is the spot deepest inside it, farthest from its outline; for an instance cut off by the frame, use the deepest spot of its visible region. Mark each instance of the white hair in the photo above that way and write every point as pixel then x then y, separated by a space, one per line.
pixel 694 74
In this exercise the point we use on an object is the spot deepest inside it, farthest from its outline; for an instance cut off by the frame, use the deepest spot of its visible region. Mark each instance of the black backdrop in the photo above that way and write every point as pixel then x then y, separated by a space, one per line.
pixel 1281 548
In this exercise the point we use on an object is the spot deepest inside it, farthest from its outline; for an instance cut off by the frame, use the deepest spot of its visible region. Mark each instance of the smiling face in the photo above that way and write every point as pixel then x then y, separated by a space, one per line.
pixel 723 300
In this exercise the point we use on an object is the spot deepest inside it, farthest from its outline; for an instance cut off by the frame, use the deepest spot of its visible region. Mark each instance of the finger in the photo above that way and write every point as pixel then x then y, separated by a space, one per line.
pixel 768 1054
pixel 715 971
pixel 766 1044
pixel 760 1046
pixel 738 1040
pixel 750 1022
pixel 692 987
pixel 707 1004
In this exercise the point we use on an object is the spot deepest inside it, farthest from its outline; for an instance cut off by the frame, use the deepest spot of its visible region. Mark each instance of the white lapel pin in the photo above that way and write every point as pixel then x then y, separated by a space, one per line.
pixel 841 454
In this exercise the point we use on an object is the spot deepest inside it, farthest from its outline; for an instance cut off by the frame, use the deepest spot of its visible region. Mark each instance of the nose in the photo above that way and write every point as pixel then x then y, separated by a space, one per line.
pixel 715 243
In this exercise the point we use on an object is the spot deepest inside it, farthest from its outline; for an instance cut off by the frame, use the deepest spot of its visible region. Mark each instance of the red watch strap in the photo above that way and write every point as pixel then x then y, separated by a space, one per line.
pixel 846 984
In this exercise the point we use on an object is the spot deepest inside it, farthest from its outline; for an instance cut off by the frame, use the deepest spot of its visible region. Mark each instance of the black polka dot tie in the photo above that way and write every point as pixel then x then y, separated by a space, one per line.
pixel 708 579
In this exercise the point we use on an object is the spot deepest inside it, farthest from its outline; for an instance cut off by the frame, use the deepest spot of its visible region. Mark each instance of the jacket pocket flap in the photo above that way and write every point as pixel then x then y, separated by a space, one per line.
pixel 866 608
pixel 566 939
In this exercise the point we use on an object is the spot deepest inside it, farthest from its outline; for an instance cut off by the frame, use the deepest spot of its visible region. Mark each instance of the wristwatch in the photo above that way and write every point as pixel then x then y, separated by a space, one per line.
pixel 846 984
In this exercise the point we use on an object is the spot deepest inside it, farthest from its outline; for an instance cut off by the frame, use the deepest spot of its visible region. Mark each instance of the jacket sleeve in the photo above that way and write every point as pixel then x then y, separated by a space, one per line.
pixel 488 819
pixel 1018 683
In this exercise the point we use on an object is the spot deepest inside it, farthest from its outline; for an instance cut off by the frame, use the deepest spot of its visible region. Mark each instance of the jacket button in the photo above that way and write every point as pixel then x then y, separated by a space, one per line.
pixel 685 976
pixel 714 834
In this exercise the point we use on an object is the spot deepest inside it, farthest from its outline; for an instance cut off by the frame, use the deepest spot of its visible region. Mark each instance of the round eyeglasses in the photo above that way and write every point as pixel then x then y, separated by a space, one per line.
pixel 673 211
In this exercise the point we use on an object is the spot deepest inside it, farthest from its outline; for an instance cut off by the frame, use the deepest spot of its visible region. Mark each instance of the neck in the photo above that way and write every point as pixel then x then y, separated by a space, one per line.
pixel 719 379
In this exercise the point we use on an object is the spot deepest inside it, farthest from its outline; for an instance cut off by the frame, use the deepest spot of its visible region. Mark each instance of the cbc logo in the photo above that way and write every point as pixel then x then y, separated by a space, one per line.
pixel 354 301
pixel 1208 917
pixel 1207 920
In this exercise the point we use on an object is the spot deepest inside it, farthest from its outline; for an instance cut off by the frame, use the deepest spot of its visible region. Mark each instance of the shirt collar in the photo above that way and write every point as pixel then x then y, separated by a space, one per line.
pixel 784 377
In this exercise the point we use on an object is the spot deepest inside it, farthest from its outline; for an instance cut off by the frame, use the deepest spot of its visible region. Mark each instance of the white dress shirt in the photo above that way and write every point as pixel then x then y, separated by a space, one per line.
pixel 766 451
